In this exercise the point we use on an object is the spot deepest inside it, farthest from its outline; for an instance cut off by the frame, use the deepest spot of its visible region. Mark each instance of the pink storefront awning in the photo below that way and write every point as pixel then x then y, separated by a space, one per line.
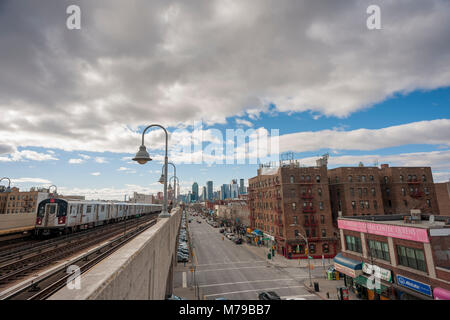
pixel 441 294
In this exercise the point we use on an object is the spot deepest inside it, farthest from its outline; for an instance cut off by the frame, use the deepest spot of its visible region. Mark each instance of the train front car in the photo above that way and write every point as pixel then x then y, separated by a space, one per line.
pixel 51 216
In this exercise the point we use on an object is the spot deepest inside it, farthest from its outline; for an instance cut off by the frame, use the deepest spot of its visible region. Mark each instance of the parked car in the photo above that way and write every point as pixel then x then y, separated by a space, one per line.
pixel 238 241
pixel 199 221
pixel 268 295
pixel 174 297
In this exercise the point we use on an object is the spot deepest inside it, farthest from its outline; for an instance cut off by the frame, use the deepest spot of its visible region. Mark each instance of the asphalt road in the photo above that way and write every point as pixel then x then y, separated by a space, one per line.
pixel 226 270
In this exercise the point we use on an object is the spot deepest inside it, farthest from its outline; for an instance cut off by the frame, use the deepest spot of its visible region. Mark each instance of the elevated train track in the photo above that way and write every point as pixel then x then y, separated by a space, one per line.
pixel 36 258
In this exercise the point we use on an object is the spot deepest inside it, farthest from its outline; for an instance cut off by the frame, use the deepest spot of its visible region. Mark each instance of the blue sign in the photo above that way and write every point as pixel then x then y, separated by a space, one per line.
pixel 414 285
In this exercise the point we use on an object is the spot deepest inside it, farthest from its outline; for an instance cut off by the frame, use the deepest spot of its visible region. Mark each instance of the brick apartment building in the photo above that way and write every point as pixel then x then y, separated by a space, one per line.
pixel 406 188
pixel 409 255
pixel 289 202
pixel 443 197
pixel 355 191
pixel 17 201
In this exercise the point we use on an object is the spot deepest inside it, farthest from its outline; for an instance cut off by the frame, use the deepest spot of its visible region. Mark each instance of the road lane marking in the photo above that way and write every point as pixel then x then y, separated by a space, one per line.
pixel 231 262
pixel 262 289
pixel 250 281
pixel 232 269
pixel 184 280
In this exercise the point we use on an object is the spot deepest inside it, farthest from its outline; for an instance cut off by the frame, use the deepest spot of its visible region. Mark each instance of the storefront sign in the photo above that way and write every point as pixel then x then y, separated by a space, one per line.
pixel 414 285
pixel 400 232
pixel 346 270
pixel 378 272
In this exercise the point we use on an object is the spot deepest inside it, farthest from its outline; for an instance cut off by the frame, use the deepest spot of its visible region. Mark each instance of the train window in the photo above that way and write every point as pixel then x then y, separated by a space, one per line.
pixel 103 208
pixel 88 209
pixel 80 208
pixel 51 208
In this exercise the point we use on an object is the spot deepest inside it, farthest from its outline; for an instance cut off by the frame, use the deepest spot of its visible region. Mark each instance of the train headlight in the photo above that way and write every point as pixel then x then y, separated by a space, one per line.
pixel 38 221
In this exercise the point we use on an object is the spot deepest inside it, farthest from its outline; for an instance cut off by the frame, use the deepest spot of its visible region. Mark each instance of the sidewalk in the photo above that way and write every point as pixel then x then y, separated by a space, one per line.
pixel 325 285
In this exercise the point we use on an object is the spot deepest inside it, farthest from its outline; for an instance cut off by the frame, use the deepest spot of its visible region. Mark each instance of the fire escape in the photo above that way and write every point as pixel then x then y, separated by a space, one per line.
pixel 415 185
pixel 310 223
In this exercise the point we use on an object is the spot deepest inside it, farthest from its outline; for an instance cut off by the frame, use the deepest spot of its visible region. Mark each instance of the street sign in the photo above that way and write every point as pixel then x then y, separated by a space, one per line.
pixel 266 239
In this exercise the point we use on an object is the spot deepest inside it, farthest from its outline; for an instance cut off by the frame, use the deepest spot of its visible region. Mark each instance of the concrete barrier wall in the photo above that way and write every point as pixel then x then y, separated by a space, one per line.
pixel 16 222
pixel 137 271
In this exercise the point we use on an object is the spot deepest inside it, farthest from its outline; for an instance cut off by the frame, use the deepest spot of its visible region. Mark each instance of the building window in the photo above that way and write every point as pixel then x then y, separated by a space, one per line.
pixel 388 191
pixel 319 191
pixel 361 204
pixel 367 204
pixel 295 219
pixel 307 233
pixel 378 249
pixel 401 178
pixel 352 192
pixel 353 244
pixel 354 204
pixel 337 179
pixel 321 205
pixel 427 192
pixel 325 248
pixel 385 179
pixel 424 178
pixel 429 203
pixel 350 178
pixel 358 178
pixel 375 204
pixel 324 233
pixel 292 179
pixel 405 203
pixel 390 203
pixel 294 206
pixel 412 258
pixel 403 192
pixel 296 233
pixel 360 192
pixel 371 178
pixel 312 248
pixel 363 178
pixel 322 219
pixel 373 192
pixel 365 191
pixel 308 178
pixel 318 179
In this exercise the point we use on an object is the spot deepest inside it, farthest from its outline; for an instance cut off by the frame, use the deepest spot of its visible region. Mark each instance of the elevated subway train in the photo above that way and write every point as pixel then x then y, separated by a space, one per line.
pixel 67 216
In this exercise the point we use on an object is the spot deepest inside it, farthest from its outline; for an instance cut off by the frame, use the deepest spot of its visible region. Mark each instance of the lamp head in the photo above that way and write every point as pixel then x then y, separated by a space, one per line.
pixel 161 180
pixel 142 156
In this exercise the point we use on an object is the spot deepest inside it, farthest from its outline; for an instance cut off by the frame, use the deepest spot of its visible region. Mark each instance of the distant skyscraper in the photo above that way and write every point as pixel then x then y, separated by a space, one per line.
pixel 209 186
pixel 241 187
pixel 204 195
pixel 234 189
pixel 195 191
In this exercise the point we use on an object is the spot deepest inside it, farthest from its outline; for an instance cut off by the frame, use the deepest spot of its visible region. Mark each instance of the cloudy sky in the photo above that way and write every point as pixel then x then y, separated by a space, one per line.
pixel 73 103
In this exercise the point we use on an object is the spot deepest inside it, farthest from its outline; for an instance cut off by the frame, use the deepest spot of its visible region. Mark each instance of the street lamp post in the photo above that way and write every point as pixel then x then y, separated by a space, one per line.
pixel 8 189
pixel 161 180
pixel 175 182
pixel 307 256
pixel 142 157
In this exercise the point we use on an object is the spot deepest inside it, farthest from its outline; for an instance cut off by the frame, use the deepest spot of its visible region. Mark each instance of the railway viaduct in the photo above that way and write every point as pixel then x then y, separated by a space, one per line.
pixel 140 270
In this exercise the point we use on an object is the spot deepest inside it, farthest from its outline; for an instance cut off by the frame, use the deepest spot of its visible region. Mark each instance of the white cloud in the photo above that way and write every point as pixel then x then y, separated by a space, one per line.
pixel 244 122
pixel 126 170
pixel 441 176
pixel 27 155
pixel 100 160
pixel 31 180
pixel 95 173
pixel 206 60
pixel 84 156
pixel 76 161
pixel 435 132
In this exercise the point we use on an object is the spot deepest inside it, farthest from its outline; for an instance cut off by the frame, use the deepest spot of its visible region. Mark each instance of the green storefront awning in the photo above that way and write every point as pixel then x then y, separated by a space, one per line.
pixel 362 281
